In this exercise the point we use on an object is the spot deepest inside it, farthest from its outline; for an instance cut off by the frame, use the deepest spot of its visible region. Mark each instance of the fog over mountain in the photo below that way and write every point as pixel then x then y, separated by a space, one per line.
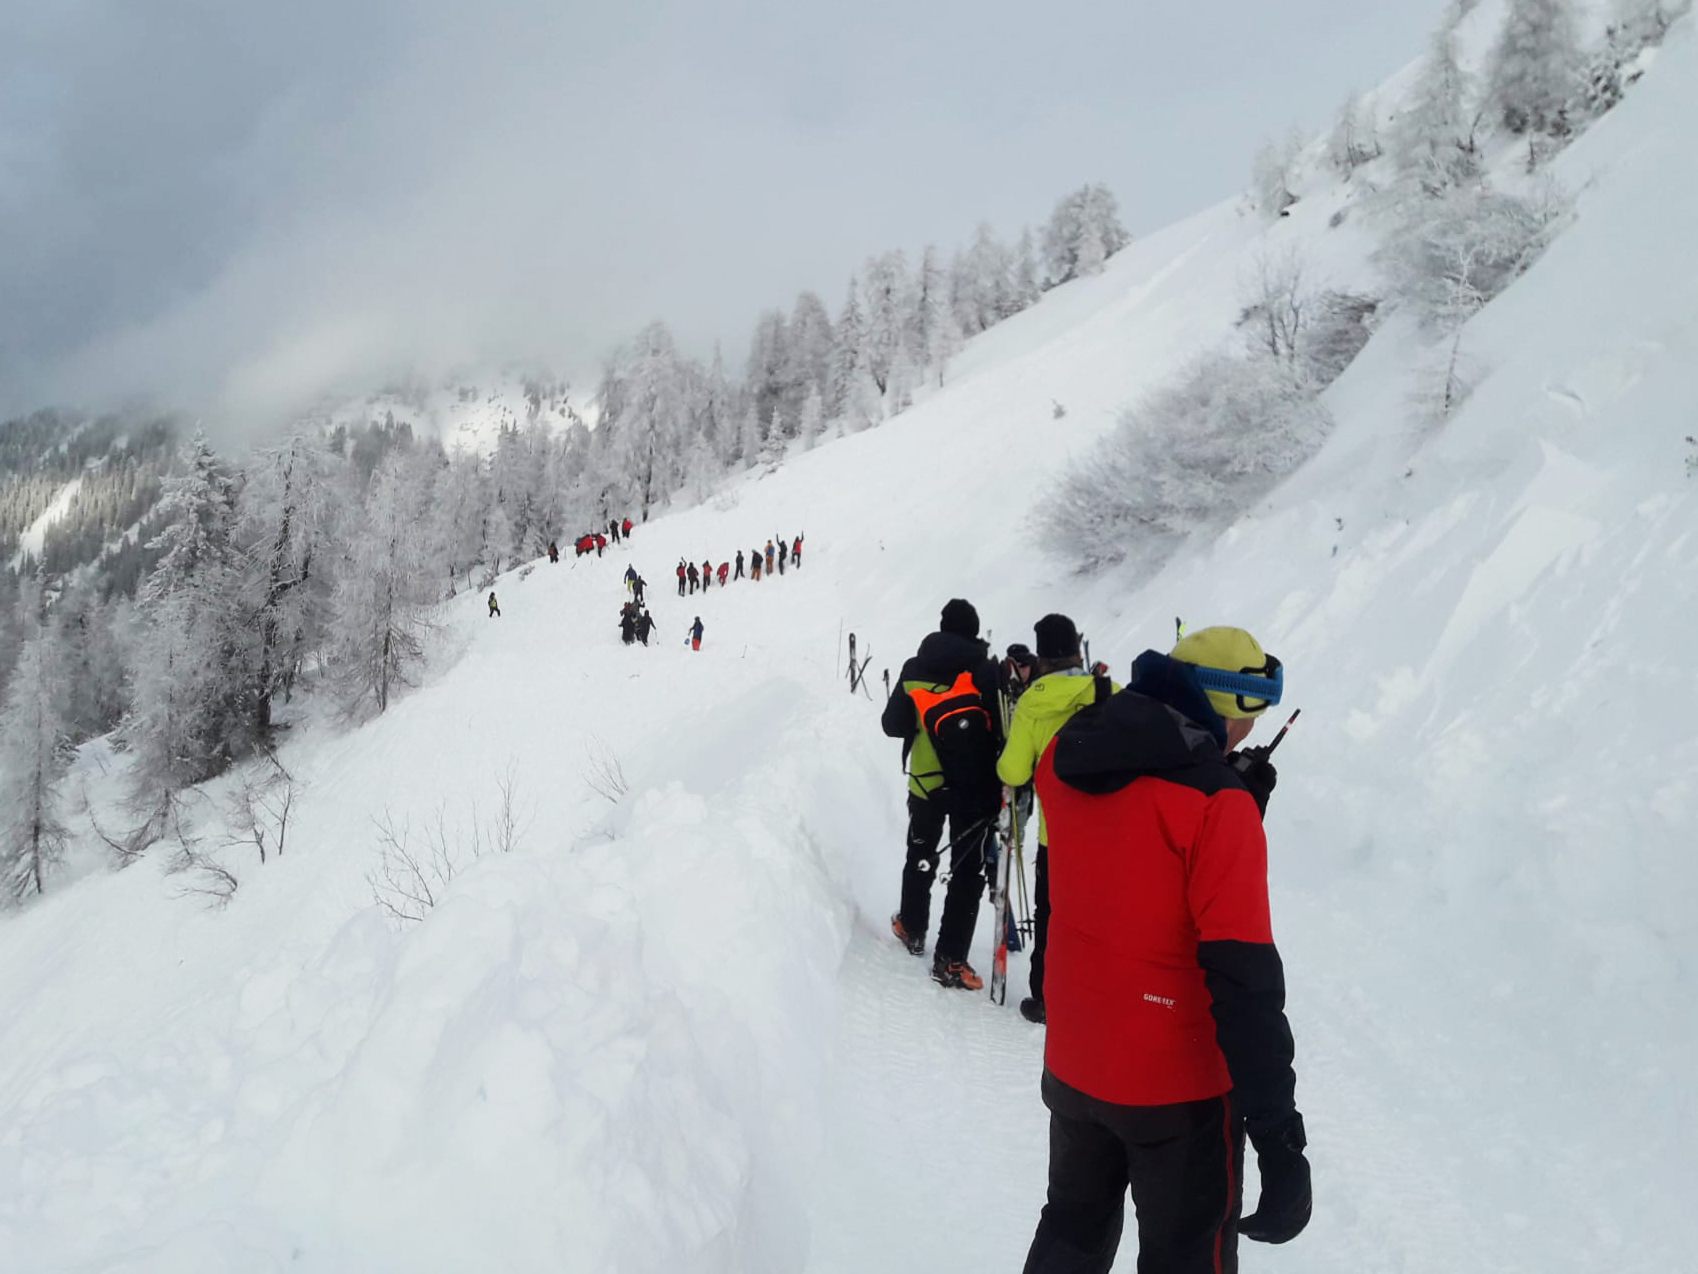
pixel 236 208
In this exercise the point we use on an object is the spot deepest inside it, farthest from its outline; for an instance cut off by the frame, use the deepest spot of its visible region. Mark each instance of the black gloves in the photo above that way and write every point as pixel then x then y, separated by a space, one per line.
pixel 1283 1210
pixel 1258 773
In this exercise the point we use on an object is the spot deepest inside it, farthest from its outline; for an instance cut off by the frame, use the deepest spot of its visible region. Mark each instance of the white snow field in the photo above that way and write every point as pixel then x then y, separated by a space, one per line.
pixel 672 1033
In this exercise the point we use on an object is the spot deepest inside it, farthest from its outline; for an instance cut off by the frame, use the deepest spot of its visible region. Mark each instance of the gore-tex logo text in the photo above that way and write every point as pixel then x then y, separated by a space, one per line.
pixel 1161 1000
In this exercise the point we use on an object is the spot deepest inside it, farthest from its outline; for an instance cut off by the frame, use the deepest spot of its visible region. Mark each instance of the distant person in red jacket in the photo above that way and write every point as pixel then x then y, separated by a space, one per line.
pixel 707 575
pixel 1167 1040
pixel 681 577
pixel 724 570
pixel 796 553
pixel 600 543
pixel 625 526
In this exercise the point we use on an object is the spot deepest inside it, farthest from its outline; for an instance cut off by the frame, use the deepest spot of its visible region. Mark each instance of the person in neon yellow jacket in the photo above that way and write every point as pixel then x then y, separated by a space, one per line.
pixel 1063 686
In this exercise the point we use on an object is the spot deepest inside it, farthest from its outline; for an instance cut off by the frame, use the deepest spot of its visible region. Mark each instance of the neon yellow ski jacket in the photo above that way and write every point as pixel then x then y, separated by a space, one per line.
pixel 1041 712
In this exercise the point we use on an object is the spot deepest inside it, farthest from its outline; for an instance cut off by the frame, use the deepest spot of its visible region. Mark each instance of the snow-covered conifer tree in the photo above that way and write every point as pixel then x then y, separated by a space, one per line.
pixel 1355 136
pixel 386 588
pixel 34 753
pixel 807 353
pixel 1083 232
pixel 888 295
pixel 1027 286
pixel 939 336
pixel 982 283
pixel 1432 138
pixel 191 709
pixel 283 523
pixel 848 352
pixel 812 421
pixel 1534 71
pixel 1272 175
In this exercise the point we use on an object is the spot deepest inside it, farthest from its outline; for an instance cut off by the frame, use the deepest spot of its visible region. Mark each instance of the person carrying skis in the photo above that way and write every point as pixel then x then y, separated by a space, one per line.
pixel 943 708
pixel 1061 688
pixel 739 574
pixel 707 575
pixel 553 551
pixel 783 552
pixel 696 634
pixel 695 577
pixel 494 607
pixel 769 557
pixel 625 526
pixel 796 553
pixel 680 577
pixel 724 570
pixel 1167 1039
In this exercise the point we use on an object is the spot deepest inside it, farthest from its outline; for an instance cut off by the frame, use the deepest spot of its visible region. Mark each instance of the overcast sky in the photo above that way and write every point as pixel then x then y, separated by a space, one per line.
pixel 234 206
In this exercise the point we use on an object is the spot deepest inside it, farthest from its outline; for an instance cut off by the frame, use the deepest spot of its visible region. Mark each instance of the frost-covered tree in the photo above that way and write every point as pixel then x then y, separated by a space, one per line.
pixel 1432 140
pixel 887 293
pixel 848 353
pixel 386 587
pixel 1534 73
pixel 1083 231
pixel 649 396
pixel 1027 286
pixel 1453 255
pixel 1355 138
pixel 34 754
pixel 191 692
pixel 769 362
pixel 92 639
pixel 751 438
pixel 1273 174
pixel 1644 23
pixel 812 422
pixel 283 523
pixel 807 353
pixel 938 337
pixel 982 283
pixel 1190 458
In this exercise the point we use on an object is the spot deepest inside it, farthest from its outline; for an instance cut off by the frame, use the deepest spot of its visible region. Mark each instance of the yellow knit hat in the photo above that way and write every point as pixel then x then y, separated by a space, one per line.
pixel 1242 679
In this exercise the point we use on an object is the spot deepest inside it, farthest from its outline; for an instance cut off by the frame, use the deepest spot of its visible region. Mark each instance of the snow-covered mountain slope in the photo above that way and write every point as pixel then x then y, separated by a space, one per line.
pixel 672 1033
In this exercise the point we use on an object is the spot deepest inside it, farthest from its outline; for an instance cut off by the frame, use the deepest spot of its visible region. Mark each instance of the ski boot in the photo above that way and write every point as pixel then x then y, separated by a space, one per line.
pixel 916 943
pixel 956 974
pixel 1033 1011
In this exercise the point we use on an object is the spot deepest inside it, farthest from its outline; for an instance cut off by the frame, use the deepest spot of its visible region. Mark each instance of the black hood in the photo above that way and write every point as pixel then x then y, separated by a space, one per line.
pixel 945 656
pixel 1153 727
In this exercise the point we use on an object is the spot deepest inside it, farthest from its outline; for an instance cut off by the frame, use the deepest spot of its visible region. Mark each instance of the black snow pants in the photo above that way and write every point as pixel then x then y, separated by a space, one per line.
pixel 1184 1164
pixel 1040 922
pixel 970 828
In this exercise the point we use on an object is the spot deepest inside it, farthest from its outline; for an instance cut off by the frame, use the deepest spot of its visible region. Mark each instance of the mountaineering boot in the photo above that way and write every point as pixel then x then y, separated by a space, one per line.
pixel 1033 1010
pixel 916 943
pixel 956 974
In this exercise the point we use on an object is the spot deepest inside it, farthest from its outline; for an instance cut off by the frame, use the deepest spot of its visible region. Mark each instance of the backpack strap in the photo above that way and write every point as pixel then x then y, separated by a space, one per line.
pixel 1105 687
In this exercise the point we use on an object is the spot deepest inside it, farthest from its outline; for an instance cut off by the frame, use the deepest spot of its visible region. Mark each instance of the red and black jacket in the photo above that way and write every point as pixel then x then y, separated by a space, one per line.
pixel 1163 984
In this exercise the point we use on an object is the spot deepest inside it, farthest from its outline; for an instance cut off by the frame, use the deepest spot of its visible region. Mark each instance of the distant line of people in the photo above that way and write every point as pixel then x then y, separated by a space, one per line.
pixel 778 554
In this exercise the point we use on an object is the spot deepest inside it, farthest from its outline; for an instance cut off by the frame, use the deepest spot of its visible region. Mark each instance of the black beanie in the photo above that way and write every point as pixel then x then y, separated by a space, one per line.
pixel 960 618
pixel 1057 638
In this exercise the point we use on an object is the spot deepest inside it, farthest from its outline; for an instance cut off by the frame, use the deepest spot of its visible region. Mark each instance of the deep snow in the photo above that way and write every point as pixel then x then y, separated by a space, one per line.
pixel 672 1033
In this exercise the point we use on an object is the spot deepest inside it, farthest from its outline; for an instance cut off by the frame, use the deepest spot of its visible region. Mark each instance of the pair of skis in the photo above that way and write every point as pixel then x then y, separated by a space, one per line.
pixel 1009 828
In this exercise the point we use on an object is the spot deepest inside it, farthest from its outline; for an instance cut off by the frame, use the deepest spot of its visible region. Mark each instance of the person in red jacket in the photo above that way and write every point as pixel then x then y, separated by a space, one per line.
pixel 1167 1040
pixel 625 526
pixel 724 570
